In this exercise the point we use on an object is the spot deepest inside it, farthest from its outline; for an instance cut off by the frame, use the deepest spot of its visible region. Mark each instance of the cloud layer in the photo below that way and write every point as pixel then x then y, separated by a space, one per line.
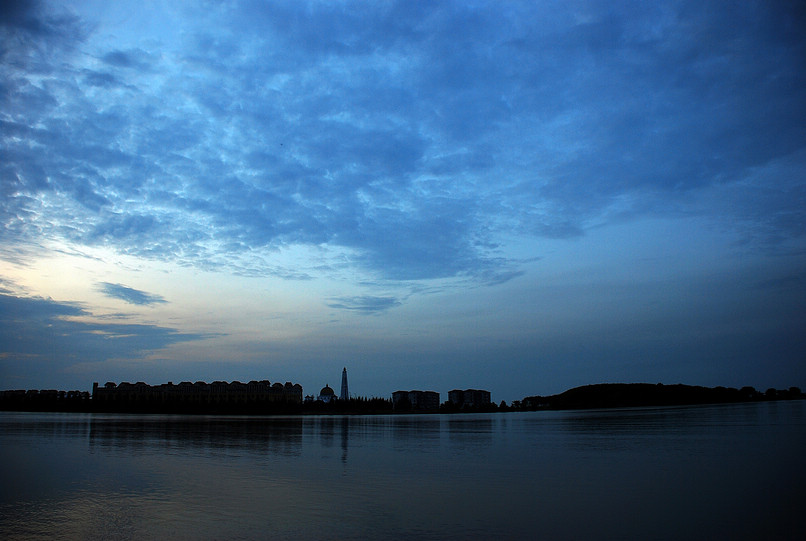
pixel 415 137
pixel 63 340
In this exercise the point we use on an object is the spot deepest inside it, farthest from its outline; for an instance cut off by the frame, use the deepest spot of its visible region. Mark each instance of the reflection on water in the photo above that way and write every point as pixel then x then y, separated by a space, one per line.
pixel 661 473
pixel 281 435
pixel 470 433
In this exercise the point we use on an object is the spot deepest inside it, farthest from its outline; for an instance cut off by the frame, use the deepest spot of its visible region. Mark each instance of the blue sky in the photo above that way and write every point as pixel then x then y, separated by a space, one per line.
pixel 515 196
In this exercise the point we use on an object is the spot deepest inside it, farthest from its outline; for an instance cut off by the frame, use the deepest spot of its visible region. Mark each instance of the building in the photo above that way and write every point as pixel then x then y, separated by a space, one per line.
pixel 44 400
pixel 327 394
pixel 415 400
pixel 195 396
pixel 345 393
pixel 469 398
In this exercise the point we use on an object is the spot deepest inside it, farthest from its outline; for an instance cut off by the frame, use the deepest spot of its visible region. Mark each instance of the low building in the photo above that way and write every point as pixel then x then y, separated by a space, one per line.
pixel 327 394
pixel 415 400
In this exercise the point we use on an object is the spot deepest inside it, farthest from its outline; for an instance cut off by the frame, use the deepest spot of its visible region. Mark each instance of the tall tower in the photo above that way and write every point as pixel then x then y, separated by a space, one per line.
pixel 345 394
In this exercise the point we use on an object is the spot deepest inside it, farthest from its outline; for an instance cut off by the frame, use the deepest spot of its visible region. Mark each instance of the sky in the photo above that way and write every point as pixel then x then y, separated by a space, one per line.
pixel 520 197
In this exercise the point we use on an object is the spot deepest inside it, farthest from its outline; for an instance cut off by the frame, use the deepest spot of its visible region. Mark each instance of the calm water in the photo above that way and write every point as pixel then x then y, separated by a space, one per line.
pixel 723 472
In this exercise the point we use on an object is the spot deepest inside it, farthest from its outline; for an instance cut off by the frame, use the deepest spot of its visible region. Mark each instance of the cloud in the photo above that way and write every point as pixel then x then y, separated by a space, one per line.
pixel 366 304
pixel 31 32
pixel 414 138
pixel 129 295
pixel 136 58
pixel 42 336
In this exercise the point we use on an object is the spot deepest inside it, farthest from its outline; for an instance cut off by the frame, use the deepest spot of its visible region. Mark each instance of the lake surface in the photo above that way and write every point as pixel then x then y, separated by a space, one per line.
pixel 709 472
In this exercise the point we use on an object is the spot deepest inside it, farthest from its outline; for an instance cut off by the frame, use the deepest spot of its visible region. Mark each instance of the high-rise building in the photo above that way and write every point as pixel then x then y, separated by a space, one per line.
pixel 345 393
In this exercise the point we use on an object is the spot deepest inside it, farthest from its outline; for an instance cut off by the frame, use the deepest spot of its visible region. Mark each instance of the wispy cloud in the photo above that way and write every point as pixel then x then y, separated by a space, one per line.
pixel 42 335
pixel 129 295
pixel 366 304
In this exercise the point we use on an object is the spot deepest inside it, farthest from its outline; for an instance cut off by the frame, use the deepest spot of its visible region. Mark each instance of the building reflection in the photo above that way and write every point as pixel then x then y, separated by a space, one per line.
pixel 327 427
pixel 416 432
pixel 345 429
pixel 470 433
pixel 56 425
pixel 276 435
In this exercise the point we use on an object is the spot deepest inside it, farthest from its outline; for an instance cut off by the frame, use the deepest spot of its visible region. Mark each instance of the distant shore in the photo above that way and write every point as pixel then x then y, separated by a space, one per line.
pixel 602 395
pixel 625 395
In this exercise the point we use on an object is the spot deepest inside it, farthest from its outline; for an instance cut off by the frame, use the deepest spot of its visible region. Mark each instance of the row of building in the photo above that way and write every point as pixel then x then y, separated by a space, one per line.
pixel 44 394
pixel 255 394
pixel 200 392
pixel 264 392
pixel 429 400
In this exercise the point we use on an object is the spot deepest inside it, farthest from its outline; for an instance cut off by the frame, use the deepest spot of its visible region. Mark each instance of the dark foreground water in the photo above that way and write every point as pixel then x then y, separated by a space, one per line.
pixel 717 472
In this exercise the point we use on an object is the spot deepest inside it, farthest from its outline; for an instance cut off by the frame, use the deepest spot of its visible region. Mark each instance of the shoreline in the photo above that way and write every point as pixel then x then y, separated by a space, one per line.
pixel 595 396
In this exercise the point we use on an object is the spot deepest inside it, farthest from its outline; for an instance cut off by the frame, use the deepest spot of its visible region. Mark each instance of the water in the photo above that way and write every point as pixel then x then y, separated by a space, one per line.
pixel 715 472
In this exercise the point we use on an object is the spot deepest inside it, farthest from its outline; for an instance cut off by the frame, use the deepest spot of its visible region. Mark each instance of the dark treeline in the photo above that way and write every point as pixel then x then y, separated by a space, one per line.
pixel 621 395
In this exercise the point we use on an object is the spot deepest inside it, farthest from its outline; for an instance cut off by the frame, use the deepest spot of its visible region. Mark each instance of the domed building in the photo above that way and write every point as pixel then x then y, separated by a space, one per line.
pixel 327 394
